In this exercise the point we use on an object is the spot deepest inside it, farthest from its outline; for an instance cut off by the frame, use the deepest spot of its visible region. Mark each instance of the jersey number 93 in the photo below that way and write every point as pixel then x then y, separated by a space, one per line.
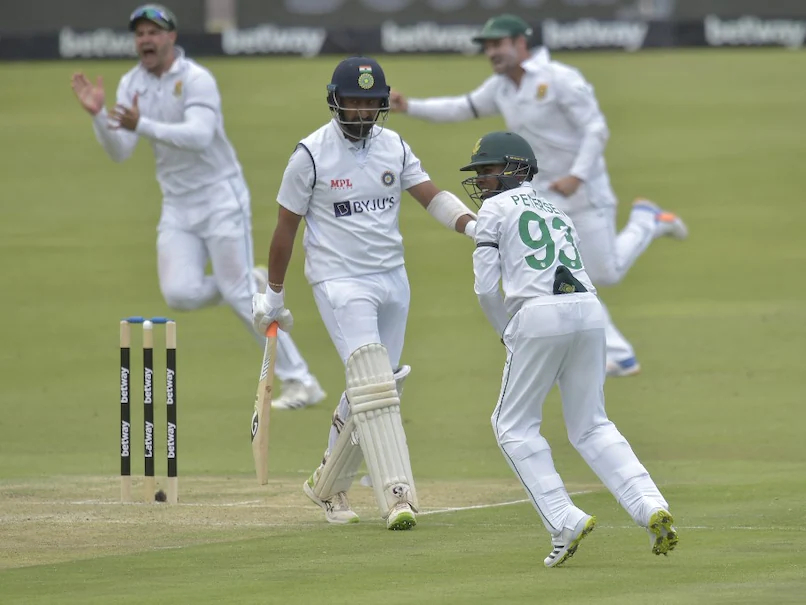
pixel 546 241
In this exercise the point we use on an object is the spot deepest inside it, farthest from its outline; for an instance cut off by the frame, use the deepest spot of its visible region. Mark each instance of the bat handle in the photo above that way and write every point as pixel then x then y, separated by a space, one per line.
pixel 271 331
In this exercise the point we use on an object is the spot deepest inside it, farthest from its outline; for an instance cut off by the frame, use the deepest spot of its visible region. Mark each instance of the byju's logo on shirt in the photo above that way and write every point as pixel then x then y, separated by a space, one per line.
pixel 340 184
pixel 342 209
pixel 348 208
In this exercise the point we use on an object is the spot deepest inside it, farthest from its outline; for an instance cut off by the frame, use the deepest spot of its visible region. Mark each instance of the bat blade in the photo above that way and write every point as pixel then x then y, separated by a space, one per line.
pixel 260 416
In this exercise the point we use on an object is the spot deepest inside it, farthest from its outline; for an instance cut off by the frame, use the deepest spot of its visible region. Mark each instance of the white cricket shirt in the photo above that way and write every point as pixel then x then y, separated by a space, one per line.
pixel 554 109
pixel 180 115
pixel 350 194
pixel 521 239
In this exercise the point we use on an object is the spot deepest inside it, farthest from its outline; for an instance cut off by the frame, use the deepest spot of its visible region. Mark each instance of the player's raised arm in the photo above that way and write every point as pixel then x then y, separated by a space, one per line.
pixel 118 144
pixel 479 103
pixel 201 114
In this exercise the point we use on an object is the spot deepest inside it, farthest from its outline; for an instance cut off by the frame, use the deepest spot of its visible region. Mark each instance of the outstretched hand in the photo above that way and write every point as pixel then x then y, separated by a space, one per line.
pixel 91 96
pixel 126 117
pixel 397 102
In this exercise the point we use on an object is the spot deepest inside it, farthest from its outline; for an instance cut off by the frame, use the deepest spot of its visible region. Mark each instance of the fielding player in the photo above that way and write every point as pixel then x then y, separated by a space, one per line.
pixel 174 103
pixel 554 108
pixel 553 327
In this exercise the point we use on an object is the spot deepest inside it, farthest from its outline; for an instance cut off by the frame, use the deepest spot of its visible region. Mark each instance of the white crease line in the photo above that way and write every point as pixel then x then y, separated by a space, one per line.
pixel 480 506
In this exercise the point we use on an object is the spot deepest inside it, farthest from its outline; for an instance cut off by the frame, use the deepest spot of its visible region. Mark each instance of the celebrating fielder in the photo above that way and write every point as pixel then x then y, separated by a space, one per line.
pixel 346 180
pixel 554 108
pixel 174 103
pixel 553 327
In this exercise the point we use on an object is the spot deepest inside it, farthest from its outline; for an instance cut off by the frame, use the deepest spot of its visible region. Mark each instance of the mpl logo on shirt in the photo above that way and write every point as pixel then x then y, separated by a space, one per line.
pixel 348 208
pixel 340 184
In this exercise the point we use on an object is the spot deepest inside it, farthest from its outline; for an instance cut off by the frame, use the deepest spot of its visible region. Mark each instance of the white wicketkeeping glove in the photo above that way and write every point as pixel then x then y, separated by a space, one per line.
pixel 270 307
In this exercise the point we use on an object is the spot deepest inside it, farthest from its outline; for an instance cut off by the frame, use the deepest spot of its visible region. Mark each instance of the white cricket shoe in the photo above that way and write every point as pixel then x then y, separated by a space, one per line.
pixel 401 517
pixel 662 532
pixel 666 223
pixel 566 544
pixel 337 509
pixel 625 367
pixel 295 395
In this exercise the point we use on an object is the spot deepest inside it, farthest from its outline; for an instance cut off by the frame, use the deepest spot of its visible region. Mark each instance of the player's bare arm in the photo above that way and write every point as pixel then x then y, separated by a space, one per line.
pixel 282 246
pixel 270 306
pixel 445 207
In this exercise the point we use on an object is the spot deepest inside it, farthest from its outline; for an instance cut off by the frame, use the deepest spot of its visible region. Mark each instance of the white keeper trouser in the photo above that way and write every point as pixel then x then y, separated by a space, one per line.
pixel 561 339
pixel 216 225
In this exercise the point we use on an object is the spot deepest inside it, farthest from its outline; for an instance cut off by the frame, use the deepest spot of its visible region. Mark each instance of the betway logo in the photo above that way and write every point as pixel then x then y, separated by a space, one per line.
pixel 589 33
pixel 271 39
pixel 171 440
pixel 169 387
pixel 148 441
pixel 97 43
pixel 752 31
pixel 147 388
pixel 428 37
pixel 125 428
pixel 340 184
pixel 124 385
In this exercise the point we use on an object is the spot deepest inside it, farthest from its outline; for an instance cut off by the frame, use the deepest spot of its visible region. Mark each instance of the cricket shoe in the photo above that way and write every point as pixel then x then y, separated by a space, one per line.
pixel 401 517
pixel 666 223
pixel 566 544
pixel 625 367
pixel 662 532
pixel 295 395
pixel 337 509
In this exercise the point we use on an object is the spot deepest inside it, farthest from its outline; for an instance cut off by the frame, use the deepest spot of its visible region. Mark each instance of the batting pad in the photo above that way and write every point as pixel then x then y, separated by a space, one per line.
pixel 375 412
pixel 341 466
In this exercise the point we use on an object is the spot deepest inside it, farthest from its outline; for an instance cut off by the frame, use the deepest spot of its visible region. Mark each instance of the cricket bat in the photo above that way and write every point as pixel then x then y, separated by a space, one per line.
pixel 260 417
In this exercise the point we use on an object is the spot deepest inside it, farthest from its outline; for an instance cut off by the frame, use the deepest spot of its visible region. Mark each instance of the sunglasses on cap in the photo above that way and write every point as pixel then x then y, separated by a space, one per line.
pixel 156 14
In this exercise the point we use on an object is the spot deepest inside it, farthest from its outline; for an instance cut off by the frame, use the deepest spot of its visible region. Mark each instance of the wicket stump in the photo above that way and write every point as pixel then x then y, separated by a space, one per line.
pixel 148 407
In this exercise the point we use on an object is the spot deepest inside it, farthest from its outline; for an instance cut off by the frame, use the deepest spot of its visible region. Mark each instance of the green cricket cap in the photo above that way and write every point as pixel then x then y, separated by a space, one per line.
pixel 503 26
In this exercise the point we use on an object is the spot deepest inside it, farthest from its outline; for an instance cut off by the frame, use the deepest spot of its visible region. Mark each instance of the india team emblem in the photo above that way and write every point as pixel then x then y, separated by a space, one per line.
pixel 178 89
pixel 365 78
pixel 388 178
pixel 542 89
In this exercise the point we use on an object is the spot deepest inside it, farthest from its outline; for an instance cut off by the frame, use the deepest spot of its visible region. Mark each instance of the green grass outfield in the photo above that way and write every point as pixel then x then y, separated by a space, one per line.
pixel 719 324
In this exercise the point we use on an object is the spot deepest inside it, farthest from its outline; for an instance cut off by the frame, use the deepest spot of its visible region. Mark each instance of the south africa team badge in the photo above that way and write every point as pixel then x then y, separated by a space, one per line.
pixel 388 178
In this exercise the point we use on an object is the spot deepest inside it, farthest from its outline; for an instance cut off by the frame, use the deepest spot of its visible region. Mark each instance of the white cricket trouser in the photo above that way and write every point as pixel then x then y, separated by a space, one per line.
pixel 358 311
pixel 561 339
pixel 216 226
pixel 608 256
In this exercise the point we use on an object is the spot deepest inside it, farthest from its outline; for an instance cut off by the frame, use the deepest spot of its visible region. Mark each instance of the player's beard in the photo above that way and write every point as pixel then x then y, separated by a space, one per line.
pixel 358 128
